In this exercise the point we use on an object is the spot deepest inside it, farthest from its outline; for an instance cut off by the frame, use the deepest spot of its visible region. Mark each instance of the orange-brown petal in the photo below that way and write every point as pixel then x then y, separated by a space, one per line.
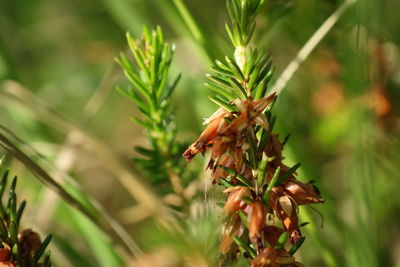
pixel 285 208
pixel 261 104
pixel 256 220
pixel 267 258
pixel 231 227
pixel 272 234
pixel 5 253
pixel 302 193
pixel 207 137
pixel 235 198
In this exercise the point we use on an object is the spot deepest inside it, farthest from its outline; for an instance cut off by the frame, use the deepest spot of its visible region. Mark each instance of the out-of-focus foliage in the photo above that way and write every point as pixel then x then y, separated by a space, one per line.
pixel 18 247
pixel 57 94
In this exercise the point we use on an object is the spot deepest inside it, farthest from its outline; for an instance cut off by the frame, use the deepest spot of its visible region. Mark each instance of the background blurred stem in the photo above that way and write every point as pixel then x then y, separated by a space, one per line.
pixel 66 156
pixel 191 23
pixel 11 71
pixel 65 161
pixel 196 32
pixel 128 18
pixel 127 176
pixel 309 46
pixel 314 233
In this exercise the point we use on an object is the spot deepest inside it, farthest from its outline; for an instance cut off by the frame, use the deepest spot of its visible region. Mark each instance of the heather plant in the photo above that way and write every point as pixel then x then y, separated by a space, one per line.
pixel 246 156
pixel 19 248
pixel 151 92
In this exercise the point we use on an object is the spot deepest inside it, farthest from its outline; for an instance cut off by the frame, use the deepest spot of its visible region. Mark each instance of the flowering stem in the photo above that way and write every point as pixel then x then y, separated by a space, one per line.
pixel 246 157
pixel 192 25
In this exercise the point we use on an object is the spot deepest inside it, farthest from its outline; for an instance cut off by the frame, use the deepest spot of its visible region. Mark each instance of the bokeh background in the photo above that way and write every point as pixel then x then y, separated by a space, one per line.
pixel 57 75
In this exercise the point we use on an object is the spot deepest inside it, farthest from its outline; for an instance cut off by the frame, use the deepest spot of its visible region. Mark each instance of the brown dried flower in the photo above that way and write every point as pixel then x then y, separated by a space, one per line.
pixel 6 256
pixel 270 257
pixel 285 208
pixel 235 199
pixel 302 193
pixel 256 220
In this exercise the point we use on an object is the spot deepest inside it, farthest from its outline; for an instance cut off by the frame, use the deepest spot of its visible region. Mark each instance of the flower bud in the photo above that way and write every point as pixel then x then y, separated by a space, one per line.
pixel 241 54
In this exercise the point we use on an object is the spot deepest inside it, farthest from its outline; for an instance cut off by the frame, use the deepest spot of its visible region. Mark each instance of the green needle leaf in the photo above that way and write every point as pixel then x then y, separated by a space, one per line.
pixel 242 244
pixel 40 251
pixel 226 183
pixel 3 183
pixel 271 185
pixel 262 169
pixel 222 104
pixel 288 173
pixel 13 232
pixel 20 211
pixel 220 91
pixel 240 91
pixel 240 177
pixel 222 71
pixel 296 246
pixel 235 68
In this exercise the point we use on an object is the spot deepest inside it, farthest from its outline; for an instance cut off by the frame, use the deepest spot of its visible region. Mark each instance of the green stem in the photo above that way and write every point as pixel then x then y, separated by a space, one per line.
pixel 323 248
pixel 193 27
pixel 126 16
pixel 187 17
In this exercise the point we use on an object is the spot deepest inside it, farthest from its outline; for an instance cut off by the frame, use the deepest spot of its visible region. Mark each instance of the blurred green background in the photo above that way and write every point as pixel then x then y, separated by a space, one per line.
pixel 58 74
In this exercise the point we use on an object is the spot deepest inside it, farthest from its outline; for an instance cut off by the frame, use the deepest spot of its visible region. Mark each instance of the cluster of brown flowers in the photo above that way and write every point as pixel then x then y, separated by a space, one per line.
pixel 28 242
pixel 262 199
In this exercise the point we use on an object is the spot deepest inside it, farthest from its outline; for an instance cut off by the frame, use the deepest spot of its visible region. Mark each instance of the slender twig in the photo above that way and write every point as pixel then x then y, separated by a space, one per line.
pixel 126 176
pixel 141 212
pixel 326 252
pixel 67 154
pixel 305 51
pixel 99 96
pixel 192 25
pixel 124 14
